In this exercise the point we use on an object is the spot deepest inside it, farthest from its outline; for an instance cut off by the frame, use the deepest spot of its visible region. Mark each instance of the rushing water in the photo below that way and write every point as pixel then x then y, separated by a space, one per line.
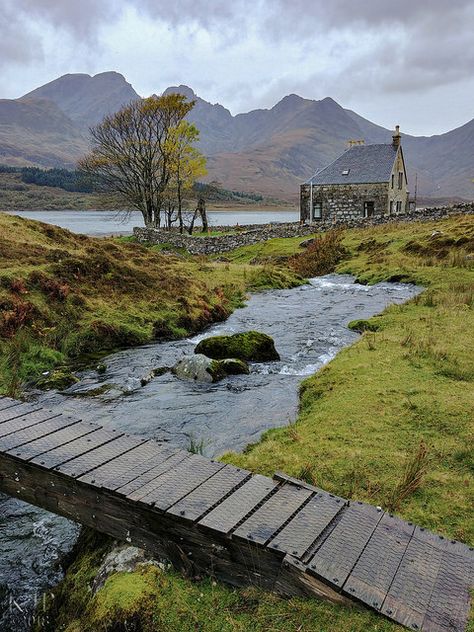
pixel 110 222
pixel 309 326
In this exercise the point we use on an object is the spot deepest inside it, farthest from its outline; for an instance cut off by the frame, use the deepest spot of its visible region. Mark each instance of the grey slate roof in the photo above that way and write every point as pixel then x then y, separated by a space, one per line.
pixel 367 164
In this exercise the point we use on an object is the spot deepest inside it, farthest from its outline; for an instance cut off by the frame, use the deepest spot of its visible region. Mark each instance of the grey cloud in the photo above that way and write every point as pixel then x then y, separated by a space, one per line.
pixel 81 17
pixel 18 44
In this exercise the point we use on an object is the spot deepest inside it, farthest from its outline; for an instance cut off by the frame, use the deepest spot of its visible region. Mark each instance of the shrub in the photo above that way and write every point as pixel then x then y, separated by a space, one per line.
pixel 321 256
pixel 412 478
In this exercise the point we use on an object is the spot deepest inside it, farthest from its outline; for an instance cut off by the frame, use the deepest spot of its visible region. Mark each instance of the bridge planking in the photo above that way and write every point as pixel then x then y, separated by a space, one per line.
pixel 307 525
pixel 108 473
pixel 208 517
pixel 11 411
pixel 20 423
pixel 200 501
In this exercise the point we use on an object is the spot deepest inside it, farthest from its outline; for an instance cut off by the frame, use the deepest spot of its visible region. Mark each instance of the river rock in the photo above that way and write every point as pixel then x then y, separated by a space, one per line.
pixel 57 379
pixel 200 368
pixel 234 366
pixel 123 558
pixel 251 346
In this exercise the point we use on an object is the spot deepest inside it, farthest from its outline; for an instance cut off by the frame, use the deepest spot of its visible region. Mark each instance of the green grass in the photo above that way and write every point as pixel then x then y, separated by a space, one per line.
pixel 414 375
pixel 389 421
pixel 266 250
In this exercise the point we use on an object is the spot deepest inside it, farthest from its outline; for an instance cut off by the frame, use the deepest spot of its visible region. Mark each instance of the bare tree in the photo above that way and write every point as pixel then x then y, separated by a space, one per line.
pixel 134 152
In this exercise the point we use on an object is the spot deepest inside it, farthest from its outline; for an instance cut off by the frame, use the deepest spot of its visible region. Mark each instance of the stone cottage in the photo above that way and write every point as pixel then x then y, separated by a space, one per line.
pixel 366 181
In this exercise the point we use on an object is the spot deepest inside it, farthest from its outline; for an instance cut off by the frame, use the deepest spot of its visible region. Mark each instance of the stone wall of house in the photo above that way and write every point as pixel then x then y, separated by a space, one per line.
pixel 344 201
pixel 258 233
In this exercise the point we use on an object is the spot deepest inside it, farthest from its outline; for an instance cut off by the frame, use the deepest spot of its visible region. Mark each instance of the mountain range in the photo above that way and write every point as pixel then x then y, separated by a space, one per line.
pixel 269 151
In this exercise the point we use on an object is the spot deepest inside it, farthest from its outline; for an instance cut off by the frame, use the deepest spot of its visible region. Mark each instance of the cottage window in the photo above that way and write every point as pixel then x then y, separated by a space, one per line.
pixel 369 208
pixel 346 172
pixel 393 180
pixel 317 210
pixel 391 207
pixel 400 179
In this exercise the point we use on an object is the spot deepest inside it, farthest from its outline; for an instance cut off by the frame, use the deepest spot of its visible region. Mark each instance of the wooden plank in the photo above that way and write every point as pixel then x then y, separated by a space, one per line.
pixel 16 410
pixel 146 482
pixel 449 604
pixel 68 451
pixel 409 595
pixel 7 402
pixel 139 469
pixel 285 478
pixel 338 554
pixel 99 455
pixel 238 505
pixel 20 423
pixel 53 440
pixel 444 544
pixel 182 480
pixel 293 580
pixel 116 468
pixel 210 493
pixel 12 441
pixel 308 524
pixel 376 568
pixel 273 514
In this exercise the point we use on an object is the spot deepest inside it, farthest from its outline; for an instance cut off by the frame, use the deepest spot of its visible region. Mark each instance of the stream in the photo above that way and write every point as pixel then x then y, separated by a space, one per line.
pixel 309 326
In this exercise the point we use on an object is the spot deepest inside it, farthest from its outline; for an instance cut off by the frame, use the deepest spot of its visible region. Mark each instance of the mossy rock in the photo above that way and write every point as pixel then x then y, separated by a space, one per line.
pixel 200 368
pixel 219 369
pixel 362 325
pixel 252 346
pixel 58 379
pixel 234 366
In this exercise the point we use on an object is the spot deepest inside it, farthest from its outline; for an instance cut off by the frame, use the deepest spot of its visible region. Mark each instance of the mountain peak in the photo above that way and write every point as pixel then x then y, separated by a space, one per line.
pixel 110 74
pixel 84 98
pixel 186 91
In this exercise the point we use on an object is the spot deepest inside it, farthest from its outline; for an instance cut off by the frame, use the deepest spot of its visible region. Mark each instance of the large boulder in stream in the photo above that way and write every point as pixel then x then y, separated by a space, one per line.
pixel 202 369
pixel 251 346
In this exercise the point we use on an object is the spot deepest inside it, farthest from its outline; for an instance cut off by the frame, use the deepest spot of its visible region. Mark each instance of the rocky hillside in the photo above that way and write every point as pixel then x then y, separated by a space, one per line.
pixel 269 151
pixel 85 99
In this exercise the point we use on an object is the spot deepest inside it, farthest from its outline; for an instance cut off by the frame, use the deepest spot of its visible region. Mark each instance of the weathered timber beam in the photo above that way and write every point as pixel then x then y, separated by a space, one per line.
pixel 192 550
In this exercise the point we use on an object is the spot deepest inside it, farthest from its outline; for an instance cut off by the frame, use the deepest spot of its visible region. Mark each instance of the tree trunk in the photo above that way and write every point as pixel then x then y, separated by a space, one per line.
pixel 201 208
pixel 191 225
pixel 180 208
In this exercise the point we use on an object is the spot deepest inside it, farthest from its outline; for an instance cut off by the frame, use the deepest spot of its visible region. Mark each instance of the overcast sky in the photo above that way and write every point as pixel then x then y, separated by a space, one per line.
pixel 409 62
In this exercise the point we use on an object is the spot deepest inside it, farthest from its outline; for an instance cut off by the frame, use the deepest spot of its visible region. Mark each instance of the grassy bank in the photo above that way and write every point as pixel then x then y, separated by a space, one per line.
pixel 64 296
pixel 408 382
pixel 389 421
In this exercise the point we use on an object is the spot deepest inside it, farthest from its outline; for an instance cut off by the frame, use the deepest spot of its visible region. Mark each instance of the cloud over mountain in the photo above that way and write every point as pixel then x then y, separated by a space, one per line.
pixel 415 56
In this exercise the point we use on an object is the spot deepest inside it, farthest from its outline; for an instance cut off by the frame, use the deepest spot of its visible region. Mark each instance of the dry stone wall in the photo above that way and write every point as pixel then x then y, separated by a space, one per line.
pixel 220 243
pixel 254 234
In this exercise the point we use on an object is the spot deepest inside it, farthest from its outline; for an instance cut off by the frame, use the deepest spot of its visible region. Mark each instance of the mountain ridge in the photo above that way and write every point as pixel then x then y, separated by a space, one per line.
pixel 269 151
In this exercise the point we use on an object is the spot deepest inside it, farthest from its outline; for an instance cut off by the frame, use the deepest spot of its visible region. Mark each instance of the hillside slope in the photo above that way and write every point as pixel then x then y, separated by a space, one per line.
pixel 268 151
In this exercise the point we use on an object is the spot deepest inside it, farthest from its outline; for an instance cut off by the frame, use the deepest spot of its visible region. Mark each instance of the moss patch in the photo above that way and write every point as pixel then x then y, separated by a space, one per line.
pixel 362 325
pixel 252 346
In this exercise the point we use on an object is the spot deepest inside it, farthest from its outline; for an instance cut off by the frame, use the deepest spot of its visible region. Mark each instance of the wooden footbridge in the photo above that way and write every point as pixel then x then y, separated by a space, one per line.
pixel 216 519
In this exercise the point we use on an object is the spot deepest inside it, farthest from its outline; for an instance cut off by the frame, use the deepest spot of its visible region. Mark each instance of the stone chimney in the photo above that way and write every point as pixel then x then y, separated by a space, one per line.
pixel 397 137
pixel 353 143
